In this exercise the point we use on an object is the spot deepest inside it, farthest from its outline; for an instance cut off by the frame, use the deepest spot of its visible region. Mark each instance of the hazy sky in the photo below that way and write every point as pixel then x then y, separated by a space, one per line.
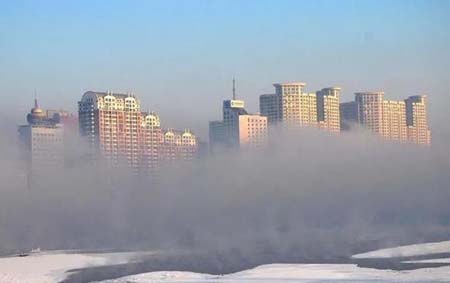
pixel 179 57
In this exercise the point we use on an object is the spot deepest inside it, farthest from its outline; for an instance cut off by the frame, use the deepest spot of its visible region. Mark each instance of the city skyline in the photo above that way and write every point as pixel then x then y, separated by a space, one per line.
pixel 119 134
pixel 172 57
pixel 324 110
pixel 224 141
pixel 321 98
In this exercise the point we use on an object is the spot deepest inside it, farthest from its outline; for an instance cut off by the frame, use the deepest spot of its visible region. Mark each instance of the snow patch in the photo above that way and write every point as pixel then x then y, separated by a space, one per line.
pixel 410 250
pixel 298 273
pixel 49 267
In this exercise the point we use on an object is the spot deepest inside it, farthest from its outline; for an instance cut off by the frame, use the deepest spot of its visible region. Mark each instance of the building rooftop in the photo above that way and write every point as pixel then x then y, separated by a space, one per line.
pixel 290 84
pixel 102 94
pixel 369 93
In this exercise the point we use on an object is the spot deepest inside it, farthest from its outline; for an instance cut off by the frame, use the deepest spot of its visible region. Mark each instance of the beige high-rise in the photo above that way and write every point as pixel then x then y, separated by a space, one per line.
pixel 416 120
pixel 252 130
pixel 150 141
pixel 178 145
pixel 112 124
pixel 328 114
pixel 117 130
pixel 394 120
pixel 290 105
pixel 239 129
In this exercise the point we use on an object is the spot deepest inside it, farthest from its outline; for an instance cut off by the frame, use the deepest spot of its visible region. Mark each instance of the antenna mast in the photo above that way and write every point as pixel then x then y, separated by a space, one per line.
pixel 35 99
pixel 234 89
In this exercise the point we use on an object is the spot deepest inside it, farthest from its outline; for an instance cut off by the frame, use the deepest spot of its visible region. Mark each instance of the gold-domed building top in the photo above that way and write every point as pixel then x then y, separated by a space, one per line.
pixel 36 115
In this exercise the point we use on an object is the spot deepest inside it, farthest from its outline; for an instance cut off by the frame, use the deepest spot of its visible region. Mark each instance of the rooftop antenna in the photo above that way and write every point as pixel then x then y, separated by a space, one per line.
pixel 35 99
pixel 234 89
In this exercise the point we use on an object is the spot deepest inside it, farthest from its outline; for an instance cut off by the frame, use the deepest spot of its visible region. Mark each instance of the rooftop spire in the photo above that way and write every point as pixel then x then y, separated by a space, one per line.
pixel 234 89
pixel 35 100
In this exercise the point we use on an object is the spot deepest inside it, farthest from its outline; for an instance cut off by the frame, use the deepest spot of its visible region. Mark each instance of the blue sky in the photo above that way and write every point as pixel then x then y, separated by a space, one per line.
pixel 179 56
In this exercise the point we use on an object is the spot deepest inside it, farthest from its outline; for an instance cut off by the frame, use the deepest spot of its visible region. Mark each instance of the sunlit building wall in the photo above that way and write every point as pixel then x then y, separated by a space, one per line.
pixel 290 105
pixel 417 121
pixel 150 141
pixel 239 129
pixel 111 123
pixel 252 131
pixel 328 115
pixel 178 145
pixel 394 120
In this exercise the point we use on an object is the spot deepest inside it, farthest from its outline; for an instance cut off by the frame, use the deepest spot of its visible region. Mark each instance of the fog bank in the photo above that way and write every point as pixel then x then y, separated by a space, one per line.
pixel 310 195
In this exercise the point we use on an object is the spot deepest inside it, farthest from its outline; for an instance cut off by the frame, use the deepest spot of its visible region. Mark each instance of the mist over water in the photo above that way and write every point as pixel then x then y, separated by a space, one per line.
pixel 311 195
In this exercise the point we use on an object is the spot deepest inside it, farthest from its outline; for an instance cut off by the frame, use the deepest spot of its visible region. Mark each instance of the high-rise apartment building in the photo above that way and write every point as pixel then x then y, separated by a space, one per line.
pixel 42 142
pixel 239 129
pixel 328 115
pixel 270 106
pixel 232 109
pixel 217 135
pixel 289 105
pixel 117 130
pixel 348 116
pixel 394 120
pixel 178 145
pixel 369 110
pixel 416 120
pixel 252 131
pixel 150 141
pixel 112 123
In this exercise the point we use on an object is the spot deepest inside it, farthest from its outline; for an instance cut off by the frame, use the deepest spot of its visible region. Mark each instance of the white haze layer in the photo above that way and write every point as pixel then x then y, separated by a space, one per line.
pixel 311 195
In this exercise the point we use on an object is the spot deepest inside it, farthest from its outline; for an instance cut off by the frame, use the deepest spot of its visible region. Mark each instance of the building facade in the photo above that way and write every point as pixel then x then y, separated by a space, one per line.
pixel 42 142
pixel 178 146
pixel 417 120
pixel 400 121
pixel 150 141
pixel 111 123
pixel 252 131
pixel 347 113
pixel 369 110
pixel 394 120
pixel 328 115
pixel 238 129
pixel 217 136
pixel 122 135
pixel 289 105
pixel 231 110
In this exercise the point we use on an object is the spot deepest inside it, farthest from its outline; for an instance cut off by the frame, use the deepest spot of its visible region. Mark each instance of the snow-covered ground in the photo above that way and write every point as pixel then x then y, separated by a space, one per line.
pixel 318 273
pixel 49 267
pixel 410 250
pixel 299 273
pixel 434 260
pixel 52 267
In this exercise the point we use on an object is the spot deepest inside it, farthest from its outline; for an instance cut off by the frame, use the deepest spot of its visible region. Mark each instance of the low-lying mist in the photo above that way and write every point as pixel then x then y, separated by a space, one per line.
pixel 311 194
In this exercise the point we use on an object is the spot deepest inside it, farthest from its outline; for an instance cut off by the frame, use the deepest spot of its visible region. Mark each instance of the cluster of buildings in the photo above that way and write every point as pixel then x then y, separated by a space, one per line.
pixel 119 133
pixel 403 121
pixel 291 106
pixel 238 128
pixel 117 130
